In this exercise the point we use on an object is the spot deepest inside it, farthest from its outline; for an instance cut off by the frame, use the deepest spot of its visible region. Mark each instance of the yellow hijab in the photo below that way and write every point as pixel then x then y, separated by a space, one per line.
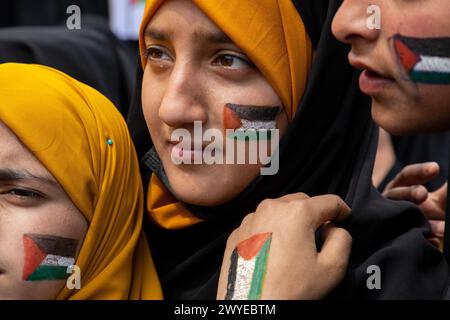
pixel 67 126
pixel 272 34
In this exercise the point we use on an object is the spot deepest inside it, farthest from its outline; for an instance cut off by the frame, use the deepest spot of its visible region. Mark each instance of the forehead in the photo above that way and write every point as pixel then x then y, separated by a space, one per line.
pixel 13 154
pixel 178 18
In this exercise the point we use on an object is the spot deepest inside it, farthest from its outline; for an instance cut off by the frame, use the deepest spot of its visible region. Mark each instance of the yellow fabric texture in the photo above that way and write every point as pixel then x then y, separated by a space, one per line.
pixel 66 125
pixel 272 34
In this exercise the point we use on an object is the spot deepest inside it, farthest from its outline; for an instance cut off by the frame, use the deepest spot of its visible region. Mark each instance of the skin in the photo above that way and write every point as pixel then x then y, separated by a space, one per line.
pixel 399 105
pixel 35 203
pixel 190 77
pixel 385 158
pixel 295 267
pixel 408 185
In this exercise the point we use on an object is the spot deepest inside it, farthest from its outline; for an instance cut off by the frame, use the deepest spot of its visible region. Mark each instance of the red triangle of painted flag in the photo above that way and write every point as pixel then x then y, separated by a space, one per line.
pixel 230 119
pixel 33 256
pixel 248 249
pixel 407 57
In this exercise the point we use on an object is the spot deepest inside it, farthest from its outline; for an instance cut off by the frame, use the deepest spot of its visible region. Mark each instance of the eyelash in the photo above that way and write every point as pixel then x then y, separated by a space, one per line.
pixel 151 50
pixel 22 195
pixel 241 59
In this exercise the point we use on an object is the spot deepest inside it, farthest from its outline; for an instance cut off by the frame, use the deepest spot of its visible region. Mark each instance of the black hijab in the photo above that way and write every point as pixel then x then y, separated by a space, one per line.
pixel 329 148
pixel 92 55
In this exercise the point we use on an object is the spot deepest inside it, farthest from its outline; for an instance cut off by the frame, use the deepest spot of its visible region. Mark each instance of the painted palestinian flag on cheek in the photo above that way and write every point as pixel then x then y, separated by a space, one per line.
pixel 248 268
pixel 426 60
pixel 47 257
pixel 250 122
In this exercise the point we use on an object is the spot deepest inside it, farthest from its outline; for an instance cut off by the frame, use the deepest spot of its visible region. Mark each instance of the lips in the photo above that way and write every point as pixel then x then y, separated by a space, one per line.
pixel 186 151
pixel 187 145
pixel 371 81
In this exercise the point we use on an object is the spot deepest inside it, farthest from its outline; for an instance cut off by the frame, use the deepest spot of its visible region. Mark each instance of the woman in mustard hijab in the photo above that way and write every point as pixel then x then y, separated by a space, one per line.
pixel 71 199
pixel 263 65
pixel 221 65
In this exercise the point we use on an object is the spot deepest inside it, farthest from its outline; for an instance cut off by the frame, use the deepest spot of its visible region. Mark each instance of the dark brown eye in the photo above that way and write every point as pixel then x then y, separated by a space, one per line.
pixel 156 54
pixel 230 61
pixel 24 193
pixel 226 61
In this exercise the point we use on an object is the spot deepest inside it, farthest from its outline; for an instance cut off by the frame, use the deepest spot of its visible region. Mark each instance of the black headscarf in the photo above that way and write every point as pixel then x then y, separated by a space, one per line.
pixel 46 12
pixel 92 55
pixel 329 148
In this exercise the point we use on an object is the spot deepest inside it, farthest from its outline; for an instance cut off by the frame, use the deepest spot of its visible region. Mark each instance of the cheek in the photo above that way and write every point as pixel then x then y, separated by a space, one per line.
pixel 256 92
pixel 434 105
pixel 32 239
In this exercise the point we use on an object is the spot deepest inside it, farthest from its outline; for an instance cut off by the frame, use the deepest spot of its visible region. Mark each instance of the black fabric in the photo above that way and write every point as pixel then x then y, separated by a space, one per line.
pixel 313 14
pixel 447 227
pixel 92 55
pixel 47 12
pixel 329 148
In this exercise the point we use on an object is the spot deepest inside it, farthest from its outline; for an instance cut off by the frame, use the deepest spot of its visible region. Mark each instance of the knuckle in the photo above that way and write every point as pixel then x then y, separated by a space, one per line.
pixel 265 206
pixel 302 195
pixel 247 220
pixel 232 238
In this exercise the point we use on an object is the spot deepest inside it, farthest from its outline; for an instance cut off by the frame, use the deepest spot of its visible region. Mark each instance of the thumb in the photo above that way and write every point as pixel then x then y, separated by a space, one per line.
pixel 336 250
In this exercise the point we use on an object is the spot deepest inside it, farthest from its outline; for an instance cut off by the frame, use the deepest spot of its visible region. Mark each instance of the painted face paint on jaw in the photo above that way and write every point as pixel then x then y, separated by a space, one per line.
pixel 47 257
pixel 248 268
pixel 246 117
pixel 425 60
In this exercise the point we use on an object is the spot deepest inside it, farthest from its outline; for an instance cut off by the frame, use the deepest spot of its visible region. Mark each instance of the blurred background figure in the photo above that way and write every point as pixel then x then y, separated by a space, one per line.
pixel 103 53
pixel 46 12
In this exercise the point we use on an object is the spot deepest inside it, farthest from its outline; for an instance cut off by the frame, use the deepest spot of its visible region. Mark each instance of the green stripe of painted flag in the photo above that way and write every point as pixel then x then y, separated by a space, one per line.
pixel 44 272
pixel 260 272
pixel 251 135
pixel 430 77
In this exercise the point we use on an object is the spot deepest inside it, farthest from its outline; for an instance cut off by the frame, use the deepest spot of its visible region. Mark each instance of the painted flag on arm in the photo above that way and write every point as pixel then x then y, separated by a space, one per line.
pixel 47 257
pixel 248 268
pixel 426 60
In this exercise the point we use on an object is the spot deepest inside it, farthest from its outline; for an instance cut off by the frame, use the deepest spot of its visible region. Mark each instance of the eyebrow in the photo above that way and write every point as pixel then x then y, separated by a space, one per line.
pixel 18 175
pixel 205 37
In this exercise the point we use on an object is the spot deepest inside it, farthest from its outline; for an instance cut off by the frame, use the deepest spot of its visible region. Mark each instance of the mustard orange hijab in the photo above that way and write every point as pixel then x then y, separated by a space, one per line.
pixel 274 37
pixel 83 141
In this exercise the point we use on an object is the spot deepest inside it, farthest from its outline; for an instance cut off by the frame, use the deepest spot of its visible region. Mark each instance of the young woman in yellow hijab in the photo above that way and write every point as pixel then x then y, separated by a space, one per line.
pixel 216 61
pixel 201 58
pixel 70 193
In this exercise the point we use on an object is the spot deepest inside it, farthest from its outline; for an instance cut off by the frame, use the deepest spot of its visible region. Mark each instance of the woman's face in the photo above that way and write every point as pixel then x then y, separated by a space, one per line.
pixel 406 62
pixel 193 72
pixel 41 230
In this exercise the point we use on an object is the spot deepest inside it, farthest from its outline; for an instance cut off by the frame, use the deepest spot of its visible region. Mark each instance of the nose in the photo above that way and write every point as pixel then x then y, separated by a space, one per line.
pixel 183 100
pixel 356 21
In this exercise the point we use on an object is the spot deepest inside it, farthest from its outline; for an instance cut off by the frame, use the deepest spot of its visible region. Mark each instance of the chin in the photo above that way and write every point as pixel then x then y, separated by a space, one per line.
pixel 201 198
pixel 390 119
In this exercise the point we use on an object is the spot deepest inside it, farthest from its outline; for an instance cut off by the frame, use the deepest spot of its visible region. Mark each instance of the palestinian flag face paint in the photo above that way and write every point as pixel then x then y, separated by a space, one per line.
pixel 47 257
pixel 426 60
pixel 250 121
pixel 248 268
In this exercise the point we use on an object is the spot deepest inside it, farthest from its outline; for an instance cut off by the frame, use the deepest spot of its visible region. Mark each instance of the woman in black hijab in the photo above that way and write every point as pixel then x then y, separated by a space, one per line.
pixel 329 147
pixel 92 55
